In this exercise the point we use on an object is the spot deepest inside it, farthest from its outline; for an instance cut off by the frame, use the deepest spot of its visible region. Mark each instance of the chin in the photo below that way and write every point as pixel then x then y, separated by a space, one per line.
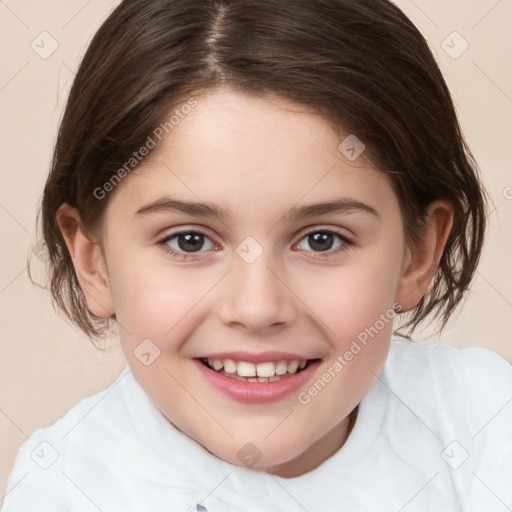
pixel 259 456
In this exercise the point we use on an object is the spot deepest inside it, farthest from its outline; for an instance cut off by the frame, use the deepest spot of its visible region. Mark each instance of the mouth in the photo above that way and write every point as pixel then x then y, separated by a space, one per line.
pixel 252 383
pixel 266 372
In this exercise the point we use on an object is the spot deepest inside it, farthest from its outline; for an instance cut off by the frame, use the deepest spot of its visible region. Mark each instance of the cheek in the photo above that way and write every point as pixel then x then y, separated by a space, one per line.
pixel 354 308
pixel 161 302
pixel 352 298
pixel 153 301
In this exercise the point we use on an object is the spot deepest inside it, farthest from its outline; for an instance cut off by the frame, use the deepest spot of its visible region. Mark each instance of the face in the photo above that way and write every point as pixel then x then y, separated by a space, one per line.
pixel 261 284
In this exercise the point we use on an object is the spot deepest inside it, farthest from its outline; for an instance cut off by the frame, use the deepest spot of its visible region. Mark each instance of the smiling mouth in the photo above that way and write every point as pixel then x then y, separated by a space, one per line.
pixel 263 372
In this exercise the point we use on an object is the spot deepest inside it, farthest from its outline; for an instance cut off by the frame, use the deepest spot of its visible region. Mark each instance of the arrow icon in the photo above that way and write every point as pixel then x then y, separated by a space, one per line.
pixel 249 454
pixel 44 45
pixel 454 45
pixel 249 249
pixel 44 455
pixel 454 455
pixel 40 454
pixel 351 147
pixel 146 352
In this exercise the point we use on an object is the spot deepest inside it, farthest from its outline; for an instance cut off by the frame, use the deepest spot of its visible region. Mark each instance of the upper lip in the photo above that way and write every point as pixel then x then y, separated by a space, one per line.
pixel 255 358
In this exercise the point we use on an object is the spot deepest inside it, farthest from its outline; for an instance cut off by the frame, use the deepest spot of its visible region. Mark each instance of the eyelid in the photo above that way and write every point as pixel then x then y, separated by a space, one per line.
pixel 345 234
pixel 188 229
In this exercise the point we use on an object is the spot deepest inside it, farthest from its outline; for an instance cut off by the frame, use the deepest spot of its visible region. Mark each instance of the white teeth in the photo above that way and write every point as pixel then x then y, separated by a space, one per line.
pixel 245 369
pixel 281 368
pixel 229 366
pixel 262 372
pixel 216 364
pixel 266 369
pixel 292 367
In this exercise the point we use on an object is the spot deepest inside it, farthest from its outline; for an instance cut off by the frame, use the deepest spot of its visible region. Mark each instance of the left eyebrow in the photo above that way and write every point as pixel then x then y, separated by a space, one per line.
pixel 167 204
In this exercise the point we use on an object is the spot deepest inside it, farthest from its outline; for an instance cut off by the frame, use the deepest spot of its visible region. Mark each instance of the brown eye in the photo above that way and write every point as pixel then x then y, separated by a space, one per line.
pixel 183 243
pixel 320 243
pixel 190 242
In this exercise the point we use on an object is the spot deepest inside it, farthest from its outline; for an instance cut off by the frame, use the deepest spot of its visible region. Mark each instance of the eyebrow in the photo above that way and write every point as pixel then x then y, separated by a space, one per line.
pixel 167 204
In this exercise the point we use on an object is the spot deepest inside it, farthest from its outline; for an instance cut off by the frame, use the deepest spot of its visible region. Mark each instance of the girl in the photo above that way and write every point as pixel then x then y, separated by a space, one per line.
pixel 251 192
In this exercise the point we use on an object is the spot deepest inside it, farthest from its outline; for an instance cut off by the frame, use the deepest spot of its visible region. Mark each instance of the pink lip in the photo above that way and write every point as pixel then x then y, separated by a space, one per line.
pixel 261 357
pixel 256 392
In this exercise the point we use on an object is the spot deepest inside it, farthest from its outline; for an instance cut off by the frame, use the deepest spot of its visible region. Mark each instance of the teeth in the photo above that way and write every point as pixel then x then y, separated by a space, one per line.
pixel 229 366
pixel 246 369
pixel 292 367
pixel 262 372
pixel 266 369
pixel 281 368
pixel 216 364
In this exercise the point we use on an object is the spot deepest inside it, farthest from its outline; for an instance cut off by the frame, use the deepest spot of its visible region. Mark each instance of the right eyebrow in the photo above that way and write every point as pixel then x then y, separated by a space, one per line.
pixel 167 204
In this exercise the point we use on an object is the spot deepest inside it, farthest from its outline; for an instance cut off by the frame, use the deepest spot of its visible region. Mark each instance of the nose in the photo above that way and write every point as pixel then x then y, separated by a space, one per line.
pixel 256 297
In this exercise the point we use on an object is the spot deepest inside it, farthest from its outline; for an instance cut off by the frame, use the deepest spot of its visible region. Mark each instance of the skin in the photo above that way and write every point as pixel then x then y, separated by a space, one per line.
pixel 259 157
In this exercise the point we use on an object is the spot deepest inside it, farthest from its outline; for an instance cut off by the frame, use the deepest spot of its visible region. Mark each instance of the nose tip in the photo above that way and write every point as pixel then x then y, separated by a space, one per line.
pixel 256 299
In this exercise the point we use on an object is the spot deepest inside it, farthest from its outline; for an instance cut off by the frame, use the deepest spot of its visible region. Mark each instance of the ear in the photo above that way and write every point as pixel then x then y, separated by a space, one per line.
pixel 422 258
pixel 89 263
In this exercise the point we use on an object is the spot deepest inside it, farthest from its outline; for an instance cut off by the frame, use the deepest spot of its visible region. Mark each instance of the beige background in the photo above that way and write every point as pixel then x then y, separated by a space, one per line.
pixel 46 365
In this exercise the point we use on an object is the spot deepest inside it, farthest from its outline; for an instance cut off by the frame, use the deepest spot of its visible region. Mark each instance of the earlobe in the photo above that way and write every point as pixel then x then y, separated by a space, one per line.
pixel 423 257
pixel 88 261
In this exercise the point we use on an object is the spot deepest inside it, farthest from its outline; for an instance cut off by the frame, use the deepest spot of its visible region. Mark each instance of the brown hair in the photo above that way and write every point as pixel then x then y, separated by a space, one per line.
pixel 361 65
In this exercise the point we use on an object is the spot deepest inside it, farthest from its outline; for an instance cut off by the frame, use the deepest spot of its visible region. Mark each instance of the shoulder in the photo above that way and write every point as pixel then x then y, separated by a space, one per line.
pixel 464 368
pixel 35 477
pixel 38 477
pixel 464 387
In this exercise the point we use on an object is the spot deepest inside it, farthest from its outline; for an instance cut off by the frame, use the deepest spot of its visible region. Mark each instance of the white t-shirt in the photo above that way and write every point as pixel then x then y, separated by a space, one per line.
pixel 434 434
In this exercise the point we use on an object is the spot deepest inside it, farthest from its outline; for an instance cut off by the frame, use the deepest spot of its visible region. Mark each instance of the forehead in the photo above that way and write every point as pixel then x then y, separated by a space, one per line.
pixel 250 153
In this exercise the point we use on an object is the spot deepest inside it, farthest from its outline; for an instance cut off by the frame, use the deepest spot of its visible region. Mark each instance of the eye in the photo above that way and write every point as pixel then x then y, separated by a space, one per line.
pixel 182 244
pixel 323 241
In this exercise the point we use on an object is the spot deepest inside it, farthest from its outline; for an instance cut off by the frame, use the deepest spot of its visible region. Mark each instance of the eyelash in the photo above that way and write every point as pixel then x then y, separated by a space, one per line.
pixel 319 256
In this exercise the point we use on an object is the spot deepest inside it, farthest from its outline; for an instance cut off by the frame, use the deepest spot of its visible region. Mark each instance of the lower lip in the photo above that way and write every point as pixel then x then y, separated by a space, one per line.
pixel 256 392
